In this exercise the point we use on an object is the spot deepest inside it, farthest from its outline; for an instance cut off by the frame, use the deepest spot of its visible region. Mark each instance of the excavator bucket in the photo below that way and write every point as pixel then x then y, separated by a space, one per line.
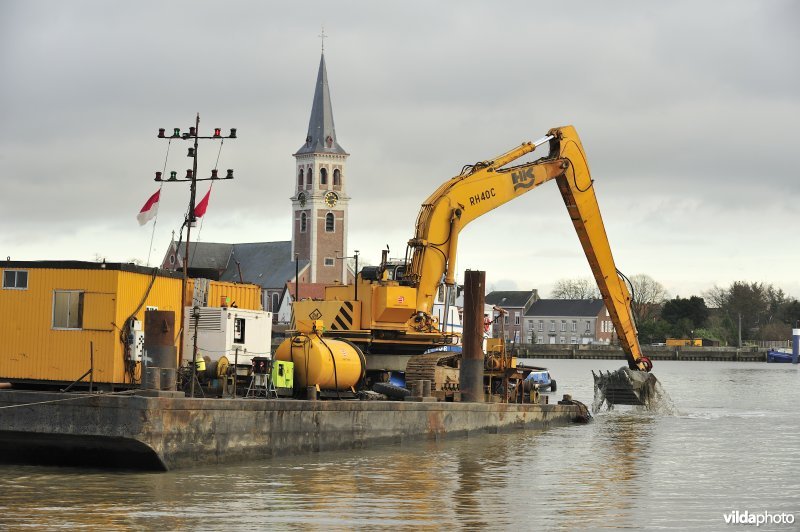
pixel 625 387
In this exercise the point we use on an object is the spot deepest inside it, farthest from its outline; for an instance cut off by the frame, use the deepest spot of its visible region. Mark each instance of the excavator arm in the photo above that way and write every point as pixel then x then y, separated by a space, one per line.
pixel 486 185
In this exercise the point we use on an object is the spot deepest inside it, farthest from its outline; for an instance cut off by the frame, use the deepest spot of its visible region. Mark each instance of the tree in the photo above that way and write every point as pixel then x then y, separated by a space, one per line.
pixel 575 289
pixel 685 315
pixel 653 331
pixel 647 295
pixel 759 305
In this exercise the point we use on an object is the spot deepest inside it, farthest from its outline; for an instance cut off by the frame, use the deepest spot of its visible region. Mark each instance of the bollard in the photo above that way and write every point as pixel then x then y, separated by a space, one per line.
pixel 426 388
pixel 311 393
pixel 152 378
pixel 169 379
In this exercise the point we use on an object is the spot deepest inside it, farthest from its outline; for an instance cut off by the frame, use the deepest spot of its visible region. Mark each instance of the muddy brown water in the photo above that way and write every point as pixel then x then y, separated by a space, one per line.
pixel 734 444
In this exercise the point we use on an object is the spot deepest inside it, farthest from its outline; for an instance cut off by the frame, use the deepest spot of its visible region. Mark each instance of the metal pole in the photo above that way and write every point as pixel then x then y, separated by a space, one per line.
pixel 235 370
pixel 91 366
pixel 196 316
pixel 296 276
pixel 356 277
pixel 740 329
pixel 471 379
pixel 190 220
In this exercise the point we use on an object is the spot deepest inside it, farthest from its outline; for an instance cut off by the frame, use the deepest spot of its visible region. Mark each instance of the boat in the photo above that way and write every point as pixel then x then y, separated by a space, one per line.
pixel 776 355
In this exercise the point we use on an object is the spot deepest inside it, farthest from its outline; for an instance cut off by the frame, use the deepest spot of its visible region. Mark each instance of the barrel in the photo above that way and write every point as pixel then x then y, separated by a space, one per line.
pixel 324 362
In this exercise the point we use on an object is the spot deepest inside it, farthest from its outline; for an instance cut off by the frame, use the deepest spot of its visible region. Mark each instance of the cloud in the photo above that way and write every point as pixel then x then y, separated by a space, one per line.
pixel 686 112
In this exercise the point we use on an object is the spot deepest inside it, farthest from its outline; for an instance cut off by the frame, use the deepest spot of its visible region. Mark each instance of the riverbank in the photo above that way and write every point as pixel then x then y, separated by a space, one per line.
pixel 606 352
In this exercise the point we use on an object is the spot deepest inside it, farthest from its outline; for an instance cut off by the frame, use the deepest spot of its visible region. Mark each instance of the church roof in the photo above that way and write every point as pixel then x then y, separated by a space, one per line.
pixel 321 136
pixel 208 255
pixel 268 264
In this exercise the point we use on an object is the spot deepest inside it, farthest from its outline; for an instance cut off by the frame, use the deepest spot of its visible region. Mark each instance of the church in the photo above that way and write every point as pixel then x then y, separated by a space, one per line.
pixel 319 224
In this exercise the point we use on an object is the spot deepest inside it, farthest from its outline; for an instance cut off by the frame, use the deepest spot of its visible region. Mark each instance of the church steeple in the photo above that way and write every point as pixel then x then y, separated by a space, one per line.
pixel 320 202
pixel 321 136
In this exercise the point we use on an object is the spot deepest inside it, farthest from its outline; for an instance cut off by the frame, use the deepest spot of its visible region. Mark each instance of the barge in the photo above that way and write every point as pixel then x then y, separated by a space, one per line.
pixel 133 431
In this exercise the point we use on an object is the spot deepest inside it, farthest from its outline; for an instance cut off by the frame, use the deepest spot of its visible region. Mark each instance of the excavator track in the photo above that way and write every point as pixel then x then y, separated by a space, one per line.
pixel 424 367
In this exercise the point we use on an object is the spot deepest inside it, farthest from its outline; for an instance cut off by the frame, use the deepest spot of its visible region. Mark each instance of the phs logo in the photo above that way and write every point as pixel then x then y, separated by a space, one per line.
pixel 522 179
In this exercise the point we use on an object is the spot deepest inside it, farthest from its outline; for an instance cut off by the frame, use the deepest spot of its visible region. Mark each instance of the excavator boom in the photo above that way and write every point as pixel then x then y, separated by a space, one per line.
pixel 489 184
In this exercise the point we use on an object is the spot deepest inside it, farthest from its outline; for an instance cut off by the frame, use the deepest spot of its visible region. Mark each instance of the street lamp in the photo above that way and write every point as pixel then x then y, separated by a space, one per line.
pixel 355 282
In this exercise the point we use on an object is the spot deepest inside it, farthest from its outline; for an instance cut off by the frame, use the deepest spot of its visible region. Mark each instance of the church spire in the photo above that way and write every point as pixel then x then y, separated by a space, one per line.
pixel 321 136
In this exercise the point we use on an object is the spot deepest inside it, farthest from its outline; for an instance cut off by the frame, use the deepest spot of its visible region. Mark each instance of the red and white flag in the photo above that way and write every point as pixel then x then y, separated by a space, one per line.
pixel 200 208
pixel 150 209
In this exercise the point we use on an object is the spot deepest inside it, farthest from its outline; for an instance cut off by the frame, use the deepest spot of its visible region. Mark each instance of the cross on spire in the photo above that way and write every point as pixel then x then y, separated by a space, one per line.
pixel 322 38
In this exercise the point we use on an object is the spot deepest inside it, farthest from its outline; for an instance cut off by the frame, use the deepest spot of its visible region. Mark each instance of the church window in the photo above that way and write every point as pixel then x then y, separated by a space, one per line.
pixel 310 177
pixel 303 222
pixel 329 223
pixel 274 302
pixel 329 261
pixel 337 178
pixel 300 179
pixel 323 176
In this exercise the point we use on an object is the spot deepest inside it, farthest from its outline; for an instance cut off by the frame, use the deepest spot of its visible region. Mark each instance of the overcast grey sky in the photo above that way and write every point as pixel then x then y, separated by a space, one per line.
pixel 687 111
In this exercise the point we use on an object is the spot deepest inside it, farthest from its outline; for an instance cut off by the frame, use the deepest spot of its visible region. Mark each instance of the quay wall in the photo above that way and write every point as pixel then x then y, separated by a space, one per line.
pixel 744 354
pixel 164 433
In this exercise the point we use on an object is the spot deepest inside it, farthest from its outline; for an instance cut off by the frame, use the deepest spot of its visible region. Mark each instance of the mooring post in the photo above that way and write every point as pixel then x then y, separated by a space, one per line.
pixel 471 379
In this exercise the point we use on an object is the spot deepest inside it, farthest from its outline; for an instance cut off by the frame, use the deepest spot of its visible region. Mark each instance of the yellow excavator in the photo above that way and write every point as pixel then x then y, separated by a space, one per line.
pixel 389 312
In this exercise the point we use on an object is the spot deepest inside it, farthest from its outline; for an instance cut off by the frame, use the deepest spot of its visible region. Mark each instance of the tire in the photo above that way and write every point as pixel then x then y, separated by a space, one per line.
pixel 390 390
pixel 553 386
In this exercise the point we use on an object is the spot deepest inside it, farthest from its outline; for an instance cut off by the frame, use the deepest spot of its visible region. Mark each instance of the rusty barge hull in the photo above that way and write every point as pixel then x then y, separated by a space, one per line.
pixel 165 433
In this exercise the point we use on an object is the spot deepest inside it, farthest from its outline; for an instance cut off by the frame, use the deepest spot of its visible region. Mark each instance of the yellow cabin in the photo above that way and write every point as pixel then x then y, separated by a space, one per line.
pixel 53 312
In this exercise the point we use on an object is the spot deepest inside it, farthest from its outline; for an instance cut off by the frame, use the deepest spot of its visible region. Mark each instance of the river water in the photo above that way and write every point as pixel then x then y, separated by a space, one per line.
pixel 734 445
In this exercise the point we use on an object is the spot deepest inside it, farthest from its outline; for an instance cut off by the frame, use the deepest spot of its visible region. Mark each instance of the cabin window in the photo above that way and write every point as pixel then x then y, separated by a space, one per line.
pixel 330 224
pixel 15 279
pixel 67 309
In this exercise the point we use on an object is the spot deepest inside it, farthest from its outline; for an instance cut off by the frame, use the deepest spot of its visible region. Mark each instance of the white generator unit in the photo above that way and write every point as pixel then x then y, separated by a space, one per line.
pixel 223 331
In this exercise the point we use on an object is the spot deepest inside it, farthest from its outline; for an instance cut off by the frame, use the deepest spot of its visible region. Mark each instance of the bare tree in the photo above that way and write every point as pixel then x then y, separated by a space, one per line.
pixel 575 289
pixel 716 297
pixel 647 296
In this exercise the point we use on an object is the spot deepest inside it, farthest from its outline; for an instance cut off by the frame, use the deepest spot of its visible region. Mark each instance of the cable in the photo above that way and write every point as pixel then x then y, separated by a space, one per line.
pixel 633 298
pixel 125 329
pixel 153 234
pixel 335 373
pixel 585 163
pixel 123 392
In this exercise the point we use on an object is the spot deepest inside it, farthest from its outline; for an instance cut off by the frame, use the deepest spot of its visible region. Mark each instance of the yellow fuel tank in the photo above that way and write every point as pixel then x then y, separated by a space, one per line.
pixel 322 362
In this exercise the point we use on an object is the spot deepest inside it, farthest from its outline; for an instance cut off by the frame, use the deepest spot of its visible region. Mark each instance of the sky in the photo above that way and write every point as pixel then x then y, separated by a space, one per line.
pixel 687 111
